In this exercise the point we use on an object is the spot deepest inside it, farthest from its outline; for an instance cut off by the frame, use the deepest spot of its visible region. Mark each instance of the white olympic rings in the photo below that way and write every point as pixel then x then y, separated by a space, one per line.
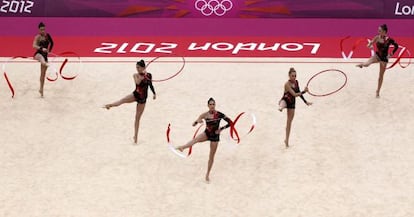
pixel 217 7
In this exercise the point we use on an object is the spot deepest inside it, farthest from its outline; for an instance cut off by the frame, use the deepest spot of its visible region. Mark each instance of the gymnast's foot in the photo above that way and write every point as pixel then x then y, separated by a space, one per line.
pixel 287 144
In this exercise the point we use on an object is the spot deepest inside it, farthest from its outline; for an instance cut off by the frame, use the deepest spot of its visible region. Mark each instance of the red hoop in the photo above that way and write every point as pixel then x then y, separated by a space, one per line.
pixel 172 76
pixel 327 94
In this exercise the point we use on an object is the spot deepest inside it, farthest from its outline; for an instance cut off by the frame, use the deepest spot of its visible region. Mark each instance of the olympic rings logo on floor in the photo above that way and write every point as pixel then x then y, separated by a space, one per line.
pixel 208 7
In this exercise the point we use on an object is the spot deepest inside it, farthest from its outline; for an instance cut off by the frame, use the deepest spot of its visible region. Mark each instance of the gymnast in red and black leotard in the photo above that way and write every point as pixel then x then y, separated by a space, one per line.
pixel 143 80
pixel 288 101
pixel 43 44
pixel 291 99
pixel 382 55
pixel 212 132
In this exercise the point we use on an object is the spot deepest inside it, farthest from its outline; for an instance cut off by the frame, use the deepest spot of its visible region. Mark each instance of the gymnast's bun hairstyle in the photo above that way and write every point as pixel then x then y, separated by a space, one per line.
pixel 41 24
pixel 209 100
pixel 291 70
pixel 141 63
pixel 384 27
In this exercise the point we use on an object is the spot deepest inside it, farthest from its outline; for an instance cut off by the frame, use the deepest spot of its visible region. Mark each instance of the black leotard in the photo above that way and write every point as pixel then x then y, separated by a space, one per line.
pixel 382 48
pixel 213 124
pixel 47 43
pixel 141 89
pixel 290 99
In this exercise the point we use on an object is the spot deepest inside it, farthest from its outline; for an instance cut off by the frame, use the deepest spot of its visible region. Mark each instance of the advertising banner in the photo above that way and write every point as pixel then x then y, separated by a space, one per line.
pixel 118 37
pixel 385 9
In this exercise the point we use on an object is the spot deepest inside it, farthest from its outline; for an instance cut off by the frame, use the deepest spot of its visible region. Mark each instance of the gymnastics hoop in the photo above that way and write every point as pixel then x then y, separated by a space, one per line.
pixel 168 78
pixel 327 94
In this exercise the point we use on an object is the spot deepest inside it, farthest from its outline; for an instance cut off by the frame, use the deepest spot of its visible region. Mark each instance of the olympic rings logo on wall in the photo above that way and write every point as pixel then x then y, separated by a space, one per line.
pixel 208 7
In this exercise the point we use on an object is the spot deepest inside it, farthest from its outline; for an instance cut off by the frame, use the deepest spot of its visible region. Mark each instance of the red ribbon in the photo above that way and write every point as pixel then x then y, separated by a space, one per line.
pixel 233 132
pixel 354 46
pixel 53 79
pixel 62 66
pixel 48 78
pixel 7 78
pixel 64 63
pixel 168 136
pixel 168 133
pixel 398 60
pixel 10 85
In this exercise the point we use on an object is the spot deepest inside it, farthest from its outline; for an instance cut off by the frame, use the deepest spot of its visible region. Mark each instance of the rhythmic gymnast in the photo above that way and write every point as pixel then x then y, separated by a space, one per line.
pixel 382 42
pixel 143 80
pixel 212 132
pixel 43 44
pixel 288 100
